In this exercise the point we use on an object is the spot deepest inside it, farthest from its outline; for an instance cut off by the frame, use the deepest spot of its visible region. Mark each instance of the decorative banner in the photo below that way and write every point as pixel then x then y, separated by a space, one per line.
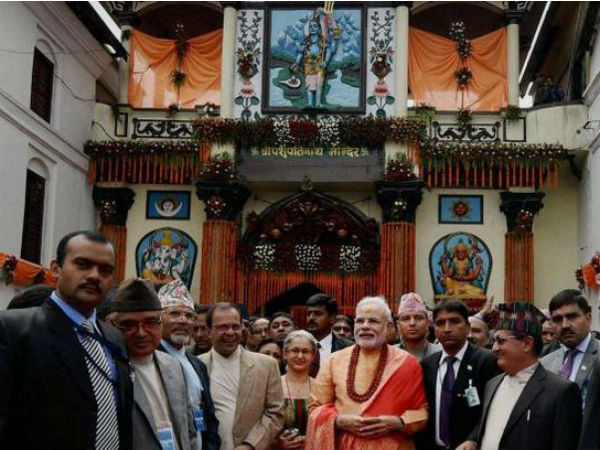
pixel 460 209
pixel 460 265
pixel 314 59
pixel 168 205
pixel 166 254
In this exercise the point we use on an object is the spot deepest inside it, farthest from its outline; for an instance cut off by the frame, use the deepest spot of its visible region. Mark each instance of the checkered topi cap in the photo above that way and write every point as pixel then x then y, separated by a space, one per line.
pixel 520 316
pixel 175 294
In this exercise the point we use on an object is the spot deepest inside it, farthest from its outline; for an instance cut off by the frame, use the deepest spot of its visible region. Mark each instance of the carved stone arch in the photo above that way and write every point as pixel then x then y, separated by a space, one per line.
pixel 311 232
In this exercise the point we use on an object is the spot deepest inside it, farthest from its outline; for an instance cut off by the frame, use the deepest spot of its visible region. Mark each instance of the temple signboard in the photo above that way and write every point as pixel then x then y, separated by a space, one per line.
pixel 324 164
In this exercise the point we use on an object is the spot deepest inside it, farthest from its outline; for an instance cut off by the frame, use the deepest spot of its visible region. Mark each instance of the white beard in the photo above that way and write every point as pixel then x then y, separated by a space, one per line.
pixel 370 343
pixel 179 339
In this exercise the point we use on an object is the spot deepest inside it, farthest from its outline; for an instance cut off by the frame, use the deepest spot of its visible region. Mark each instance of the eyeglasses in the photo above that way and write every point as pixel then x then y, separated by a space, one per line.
pixel 299 351
pixel 132 326
pixel 501 341
pixel 176 316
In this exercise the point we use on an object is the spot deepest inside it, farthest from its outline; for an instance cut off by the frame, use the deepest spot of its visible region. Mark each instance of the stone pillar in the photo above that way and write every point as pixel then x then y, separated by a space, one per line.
pixel 520 209
pixel 127 18
pixel 228 58
pixel 114 205
pixel 399 202
pixel 513 18
pixel 401 58
pixel 223 202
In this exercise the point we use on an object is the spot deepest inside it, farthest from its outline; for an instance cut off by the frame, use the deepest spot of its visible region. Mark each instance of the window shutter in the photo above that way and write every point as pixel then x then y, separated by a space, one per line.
pixel 42 80
pixel 33 221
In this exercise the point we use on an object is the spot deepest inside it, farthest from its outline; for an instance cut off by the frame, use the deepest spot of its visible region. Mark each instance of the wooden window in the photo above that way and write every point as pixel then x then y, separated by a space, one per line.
pixel 33 221
pixel 42 81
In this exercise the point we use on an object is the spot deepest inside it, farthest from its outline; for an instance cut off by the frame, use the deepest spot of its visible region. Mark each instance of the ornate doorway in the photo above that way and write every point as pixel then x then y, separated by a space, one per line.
pixel 308 237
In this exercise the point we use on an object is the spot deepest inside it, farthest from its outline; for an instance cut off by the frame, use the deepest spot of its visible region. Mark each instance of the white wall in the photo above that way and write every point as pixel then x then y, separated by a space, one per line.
pixel 57 146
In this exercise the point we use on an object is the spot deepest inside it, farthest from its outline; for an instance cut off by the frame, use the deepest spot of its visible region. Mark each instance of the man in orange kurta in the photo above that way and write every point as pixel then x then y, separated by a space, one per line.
pixel 369 396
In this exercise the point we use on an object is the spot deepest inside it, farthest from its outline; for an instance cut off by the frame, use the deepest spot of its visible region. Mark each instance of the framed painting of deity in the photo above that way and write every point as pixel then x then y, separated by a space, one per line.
pixel 314 59
pixel 168 205
pixel 460 265
pixel 165 254
pixel 467 209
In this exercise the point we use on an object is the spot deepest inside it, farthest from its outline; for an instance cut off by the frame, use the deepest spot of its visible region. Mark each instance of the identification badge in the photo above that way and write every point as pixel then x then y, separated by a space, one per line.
pixel 199 418
pixel 472 396
pixel 166 438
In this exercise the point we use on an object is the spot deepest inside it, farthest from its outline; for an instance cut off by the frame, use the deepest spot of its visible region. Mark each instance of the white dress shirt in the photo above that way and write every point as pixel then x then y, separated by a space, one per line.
pixel 224 386
pixel 438 384
pixel 325 348
pixel 502 405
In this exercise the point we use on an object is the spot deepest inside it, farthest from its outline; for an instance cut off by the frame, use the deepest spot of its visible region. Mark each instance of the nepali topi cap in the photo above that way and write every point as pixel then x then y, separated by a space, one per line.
pixel 175 294
pixel 521 317
pixel 135 295
pixel 411 302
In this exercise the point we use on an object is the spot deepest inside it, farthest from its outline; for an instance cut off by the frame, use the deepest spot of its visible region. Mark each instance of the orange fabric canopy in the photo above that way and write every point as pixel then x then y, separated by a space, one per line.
pixel 434 61
pixel 153 60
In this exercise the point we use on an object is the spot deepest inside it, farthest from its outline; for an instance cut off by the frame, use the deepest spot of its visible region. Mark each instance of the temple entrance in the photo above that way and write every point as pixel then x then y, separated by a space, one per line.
pixel 307 243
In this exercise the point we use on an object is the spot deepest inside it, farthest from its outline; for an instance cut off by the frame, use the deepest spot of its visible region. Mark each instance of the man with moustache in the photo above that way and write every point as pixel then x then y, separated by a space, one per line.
pixel 572 316
pixel 413 322
pixel 321 311
pixel 369 396
pixel 64 378
pixel 202 342
pixel 246 386
pixel 178 319
pixel 454 378
pixel 162 413
pixel 480 331
pixel 527 407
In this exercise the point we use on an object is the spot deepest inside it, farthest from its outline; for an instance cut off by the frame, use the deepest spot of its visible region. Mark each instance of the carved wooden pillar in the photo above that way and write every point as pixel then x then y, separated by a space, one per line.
pixel 223 201
pixel 519 208
pixel 114 204
pixel 399 202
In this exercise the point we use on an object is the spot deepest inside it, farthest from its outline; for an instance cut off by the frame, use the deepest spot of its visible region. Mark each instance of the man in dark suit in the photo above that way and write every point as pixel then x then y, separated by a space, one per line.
pixel 528 407
pixel 65 381
pixel 455 379
pixel 572 317
pixel 321 311
pixel 590 429
pixel 178 318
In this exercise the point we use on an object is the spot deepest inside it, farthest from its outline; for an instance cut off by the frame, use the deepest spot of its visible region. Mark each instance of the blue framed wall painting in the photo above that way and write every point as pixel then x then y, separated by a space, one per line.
pixel 165 254
pixel 464 209
pixel 168 205
pixel 314 59
pixel 460 265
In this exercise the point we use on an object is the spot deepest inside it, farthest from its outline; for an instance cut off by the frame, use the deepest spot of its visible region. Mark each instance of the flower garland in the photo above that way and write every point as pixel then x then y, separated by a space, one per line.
pixel 588 275
pixel 401 169
pixel 130 147
pixel 178 77
pixel 326 131
pixel 458 33
pixel 218 169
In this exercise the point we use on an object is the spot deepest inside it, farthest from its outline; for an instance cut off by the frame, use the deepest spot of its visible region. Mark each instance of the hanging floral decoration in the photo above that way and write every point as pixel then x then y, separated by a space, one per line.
pixel 218 169
pixel 182 46
pixel 425 112
pixel 588 275
pixel 458 33
pixel 19 272
pixel 490 164
pixel 325 131
pixel 401 169
pixel 511 113
pixel 464 117
pixel 463 77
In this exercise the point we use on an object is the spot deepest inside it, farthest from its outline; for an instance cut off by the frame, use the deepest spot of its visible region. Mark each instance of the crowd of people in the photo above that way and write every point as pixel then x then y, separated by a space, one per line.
pixel 149 369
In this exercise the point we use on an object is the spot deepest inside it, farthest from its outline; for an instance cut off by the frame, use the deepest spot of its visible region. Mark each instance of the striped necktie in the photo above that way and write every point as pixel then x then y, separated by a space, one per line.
pixel 107 426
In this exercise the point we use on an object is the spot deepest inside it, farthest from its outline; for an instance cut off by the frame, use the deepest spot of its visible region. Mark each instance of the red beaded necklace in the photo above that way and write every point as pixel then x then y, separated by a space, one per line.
pixel 360 398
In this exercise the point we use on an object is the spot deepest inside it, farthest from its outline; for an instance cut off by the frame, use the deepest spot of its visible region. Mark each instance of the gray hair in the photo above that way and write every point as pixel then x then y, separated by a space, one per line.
pixel 379 302
pixel 300 334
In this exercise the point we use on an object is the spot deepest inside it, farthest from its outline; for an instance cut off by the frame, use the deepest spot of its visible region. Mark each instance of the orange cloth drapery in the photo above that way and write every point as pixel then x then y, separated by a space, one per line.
pixel 434 61
pixel 153 60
